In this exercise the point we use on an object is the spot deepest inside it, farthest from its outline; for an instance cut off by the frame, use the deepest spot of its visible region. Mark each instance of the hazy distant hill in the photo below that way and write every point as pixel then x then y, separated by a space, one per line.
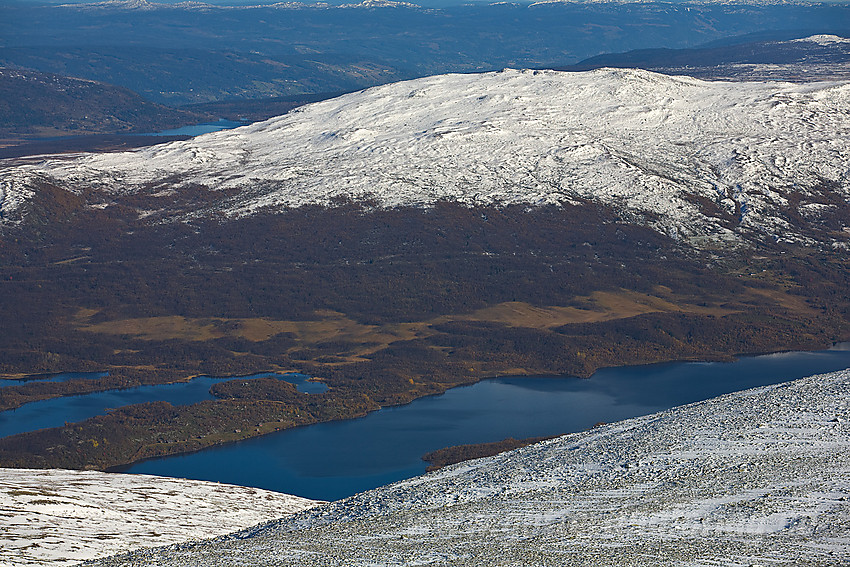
pixel 817 57
pixel 192 54
pixel 180 75
pixel 34 104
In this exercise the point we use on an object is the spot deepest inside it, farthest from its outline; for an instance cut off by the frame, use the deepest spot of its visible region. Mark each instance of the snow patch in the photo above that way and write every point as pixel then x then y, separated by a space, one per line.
pixel 823 39
pixel 62 517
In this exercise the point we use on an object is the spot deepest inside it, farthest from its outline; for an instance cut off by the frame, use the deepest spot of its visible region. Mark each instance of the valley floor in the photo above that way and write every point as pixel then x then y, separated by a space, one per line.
pixel 760 477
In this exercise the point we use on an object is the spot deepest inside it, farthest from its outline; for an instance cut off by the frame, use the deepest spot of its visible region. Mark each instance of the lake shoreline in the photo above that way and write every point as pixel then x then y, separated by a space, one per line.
pixel 263 417
pixel 335 459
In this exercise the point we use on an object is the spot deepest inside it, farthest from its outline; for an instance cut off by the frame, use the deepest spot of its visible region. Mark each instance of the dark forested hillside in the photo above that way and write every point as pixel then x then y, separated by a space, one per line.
pixel 383 305
pixel 34 104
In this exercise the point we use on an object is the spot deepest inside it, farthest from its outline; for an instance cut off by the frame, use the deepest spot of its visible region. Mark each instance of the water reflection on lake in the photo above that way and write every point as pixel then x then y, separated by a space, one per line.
pixel 333 460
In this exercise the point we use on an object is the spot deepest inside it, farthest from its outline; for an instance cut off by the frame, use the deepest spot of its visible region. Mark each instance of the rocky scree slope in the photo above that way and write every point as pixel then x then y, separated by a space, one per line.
pixel 759 477
pixel 703 162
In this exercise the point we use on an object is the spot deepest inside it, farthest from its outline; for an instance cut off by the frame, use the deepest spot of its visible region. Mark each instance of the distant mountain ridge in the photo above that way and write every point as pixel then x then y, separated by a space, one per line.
pixel 34 104
pixel 189 53
pixel 710 163
pixel 816 57
pixel 145 5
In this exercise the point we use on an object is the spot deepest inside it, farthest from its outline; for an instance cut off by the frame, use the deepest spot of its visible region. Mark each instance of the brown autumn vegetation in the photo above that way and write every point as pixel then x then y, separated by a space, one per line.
pixel 460 453
pixel 383 305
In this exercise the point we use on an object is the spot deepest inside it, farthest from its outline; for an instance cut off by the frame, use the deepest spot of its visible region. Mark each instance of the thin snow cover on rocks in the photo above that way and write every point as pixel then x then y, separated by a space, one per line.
pixel 62 517
pixel 654 147
pixel 760 477
pixel 823 39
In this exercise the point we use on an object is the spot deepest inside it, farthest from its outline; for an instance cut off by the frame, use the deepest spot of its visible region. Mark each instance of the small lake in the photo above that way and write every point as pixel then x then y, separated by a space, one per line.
pixel 55 412
pixel 333 460
pixel 198 129
pixel 62 377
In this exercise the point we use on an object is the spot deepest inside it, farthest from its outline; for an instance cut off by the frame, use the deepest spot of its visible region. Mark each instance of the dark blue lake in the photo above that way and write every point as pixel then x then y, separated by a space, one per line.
pixel 334 460
pixel 55 412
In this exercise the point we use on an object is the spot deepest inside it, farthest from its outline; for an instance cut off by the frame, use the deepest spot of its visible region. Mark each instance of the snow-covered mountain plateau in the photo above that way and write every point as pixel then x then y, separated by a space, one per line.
pixel 704 162
pixel 62 517
pixel 760 477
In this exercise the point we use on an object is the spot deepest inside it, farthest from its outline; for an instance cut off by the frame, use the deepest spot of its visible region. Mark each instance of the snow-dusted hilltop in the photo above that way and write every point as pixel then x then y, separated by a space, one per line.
pixel 697 160
pixel 822 39
pixel 62 517
pixel 760 477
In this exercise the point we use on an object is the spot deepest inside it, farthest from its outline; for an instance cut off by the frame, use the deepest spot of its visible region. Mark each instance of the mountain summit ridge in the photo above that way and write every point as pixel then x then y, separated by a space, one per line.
pixel 704 162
